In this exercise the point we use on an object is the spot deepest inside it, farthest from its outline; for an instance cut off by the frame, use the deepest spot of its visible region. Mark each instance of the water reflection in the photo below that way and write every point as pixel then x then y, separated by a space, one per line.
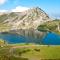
pixel 30 33
pixel 24 36
pixel 31 36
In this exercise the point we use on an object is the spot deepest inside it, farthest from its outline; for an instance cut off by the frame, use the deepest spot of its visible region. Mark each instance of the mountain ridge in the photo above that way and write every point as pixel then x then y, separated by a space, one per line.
pixel 29 19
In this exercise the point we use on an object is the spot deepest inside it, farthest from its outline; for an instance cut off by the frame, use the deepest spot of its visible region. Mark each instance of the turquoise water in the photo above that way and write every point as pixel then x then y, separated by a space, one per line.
pixel 48 39
pixel 15 38
pixel 51 39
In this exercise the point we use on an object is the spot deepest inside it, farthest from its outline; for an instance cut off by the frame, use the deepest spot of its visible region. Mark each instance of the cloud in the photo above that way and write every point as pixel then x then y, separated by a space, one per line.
pixel 19 9
pixel 2 1
pixel 3 10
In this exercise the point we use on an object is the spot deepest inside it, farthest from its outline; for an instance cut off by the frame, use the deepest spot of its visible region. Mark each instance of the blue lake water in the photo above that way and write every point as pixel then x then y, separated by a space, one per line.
pixel 15 38
pixel 47 39
pixel 51 39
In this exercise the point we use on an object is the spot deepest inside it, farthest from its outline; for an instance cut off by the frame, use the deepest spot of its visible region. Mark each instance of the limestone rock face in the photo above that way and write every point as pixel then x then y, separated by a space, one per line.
pixel 29 19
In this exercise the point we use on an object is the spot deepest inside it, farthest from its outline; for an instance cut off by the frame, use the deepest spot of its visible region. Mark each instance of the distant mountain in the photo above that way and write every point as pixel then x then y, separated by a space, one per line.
pixel 29 19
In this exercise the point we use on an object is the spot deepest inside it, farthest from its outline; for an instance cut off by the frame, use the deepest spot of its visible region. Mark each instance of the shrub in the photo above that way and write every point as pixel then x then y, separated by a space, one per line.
pixel 38 50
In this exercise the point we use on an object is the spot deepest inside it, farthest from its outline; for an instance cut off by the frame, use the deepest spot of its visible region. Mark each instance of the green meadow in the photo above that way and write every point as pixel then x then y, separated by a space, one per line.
pixel 29 52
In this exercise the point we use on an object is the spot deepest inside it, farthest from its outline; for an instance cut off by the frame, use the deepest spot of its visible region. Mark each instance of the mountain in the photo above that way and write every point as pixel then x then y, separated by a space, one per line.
pixel 29 19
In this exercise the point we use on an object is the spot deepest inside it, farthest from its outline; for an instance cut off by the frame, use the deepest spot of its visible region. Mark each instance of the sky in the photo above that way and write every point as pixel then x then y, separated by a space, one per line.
pixel 51 7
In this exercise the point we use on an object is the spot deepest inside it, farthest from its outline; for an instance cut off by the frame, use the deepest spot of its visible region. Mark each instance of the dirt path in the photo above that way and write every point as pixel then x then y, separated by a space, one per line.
pixel 29 46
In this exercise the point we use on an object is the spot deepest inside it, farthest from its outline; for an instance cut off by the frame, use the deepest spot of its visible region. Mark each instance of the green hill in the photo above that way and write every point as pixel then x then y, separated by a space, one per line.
pixel 52 26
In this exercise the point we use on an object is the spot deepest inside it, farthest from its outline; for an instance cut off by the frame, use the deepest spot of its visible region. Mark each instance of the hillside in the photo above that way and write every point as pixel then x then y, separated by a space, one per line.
pixel 52 26
pixel 29 19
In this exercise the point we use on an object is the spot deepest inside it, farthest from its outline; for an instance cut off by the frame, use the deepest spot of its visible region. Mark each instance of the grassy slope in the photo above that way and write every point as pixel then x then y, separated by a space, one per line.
pixel 50 26
pixel 36 52
pixel 52 52
pixel 4 26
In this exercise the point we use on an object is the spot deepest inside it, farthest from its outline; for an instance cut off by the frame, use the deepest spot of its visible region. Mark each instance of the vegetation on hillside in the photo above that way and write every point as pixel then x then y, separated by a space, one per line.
pixel 52 26
pixel 3 17
pixel 4 27
pixel 3 43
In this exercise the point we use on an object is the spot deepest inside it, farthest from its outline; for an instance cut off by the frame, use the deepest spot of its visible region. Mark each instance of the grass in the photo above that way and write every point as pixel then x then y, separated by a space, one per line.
pixel 36 52
pixel 4 27
pixel 50 26
pixel 51 52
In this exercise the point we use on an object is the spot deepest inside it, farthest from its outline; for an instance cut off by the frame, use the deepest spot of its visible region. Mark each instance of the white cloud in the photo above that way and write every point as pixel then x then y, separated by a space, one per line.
pixel 2 1
pixel 3 10
pixel 19 9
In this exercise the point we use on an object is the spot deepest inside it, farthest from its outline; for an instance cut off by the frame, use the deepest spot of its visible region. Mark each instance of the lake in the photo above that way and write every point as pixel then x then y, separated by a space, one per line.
pixel 31 36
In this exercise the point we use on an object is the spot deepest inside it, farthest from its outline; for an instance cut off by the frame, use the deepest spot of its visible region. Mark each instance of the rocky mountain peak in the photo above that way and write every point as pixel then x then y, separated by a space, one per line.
pixel 36 12
pixel 28 19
